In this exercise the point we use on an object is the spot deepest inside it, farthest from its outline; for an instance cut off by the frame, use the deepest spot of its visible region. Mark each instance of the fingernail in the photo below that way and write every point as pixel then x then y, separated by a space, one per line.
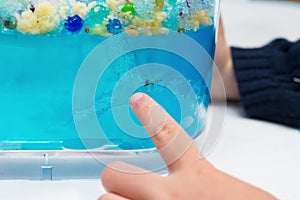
pixel 135 98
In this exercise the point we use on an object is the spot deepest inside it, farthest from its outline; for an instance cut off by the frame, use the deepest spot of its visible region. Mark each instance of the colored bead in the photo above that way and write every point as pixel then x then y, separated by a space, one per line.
pixel 107 17
pixel 10 23
pixel 114 26
pixel 100 30
pixel 172 2
pixel 19 12
pixel 73 23
pixel 98 13
pixel 171 20
pixel 128 7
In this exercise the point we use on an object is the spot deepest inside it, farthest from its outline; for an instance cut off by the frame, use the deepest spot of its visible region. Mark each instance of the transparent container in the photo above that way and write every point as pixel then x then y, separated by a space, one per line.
pixel 68 69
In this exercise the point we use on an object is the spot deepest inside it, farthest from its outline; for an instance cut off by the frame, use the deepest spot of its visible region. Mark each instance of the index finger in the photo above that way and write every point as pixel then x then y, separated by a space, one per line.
pixel 173 143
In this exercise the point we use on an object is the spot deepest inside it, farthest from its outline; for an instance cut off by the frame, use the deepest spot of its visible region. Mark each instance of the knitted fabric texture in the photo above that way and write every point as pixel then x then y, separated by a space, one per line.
pixel 269 81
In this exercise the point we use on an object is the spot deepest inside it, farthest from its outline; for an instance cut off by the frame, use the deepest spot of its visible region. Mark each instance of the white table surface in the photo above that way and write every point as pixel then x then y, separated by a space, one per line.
pixel 264 154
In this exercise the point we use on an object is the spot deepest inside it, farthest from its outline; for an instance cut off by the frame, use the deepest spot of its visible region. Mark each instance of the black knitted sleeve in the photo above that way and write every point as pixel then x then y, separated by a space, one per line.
pixel 269 81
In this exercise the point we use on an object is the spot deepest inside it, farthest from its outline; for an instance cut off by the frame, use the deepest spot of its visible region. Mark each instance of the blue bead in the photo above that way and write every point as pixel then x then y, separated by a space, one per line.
pixel 114 26
pixel 19 12
pixel 73 23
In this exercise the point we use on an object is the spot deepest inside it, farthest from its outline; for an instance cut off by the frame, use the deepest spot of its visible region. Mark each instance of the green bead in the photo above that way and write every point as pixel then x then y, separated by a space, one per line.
pixel 10 22
pixel 128 7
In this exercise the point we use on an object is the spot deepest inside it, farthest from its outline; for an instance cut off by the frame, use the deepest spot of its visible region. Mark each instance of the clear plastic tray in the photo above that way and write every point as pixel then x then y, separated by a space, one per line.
pixel 44 45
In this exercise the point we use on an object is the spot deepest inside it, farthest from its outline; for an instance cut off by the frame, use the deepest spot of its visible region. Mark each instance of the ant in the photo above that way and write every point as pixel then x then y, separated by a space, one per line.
pixel 148 82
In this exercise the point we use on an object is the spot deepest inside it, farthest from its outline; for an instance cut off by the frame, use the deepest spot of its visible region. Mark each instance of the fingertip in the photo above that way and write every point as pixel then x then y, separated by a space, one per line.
pixel 135 98
pixel 168 136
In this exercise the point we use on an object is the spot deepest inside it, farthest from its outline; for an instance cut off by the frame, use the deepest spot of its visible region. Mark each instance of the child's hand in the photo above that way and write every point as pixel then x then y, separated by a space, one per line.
pixel 190 175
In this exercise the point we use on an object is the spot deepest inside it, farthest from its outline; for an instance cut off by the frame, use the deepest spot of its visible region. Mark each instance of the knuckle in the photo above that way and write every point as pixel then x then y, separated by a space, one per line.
pixel 164 135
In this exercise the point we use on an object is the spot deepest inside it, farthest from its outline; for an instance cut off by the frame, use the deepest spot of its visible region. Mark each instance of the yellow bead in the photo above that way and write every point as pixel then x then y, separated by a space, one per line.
pixel 100 30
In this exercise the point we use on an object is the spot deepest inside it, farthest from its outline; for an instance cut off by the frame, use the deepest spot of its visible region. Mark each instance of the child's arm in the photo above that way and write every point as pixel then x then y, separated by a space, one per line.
pixel 266 79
